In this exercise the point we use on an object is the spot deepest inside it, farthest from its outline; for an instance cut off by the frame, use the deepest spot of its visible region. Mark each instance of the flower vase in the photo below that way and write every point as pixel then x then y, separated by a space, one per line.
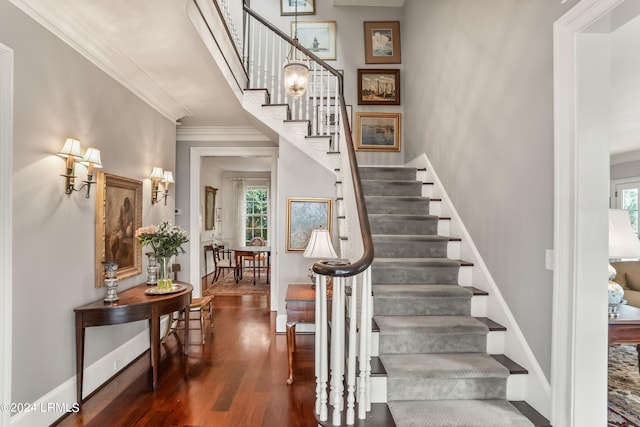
pixel 164 274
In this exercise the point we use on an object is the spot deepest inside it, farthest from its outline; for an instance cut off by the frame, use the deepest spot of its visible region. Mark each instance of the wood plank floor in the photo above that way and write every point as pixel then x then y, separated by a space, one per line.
pixel 238 378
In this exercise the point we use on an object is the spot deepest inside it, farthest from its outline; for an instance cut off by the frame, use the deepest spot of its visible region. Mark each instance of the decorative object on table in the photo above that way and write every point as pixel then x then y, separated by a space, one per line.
pixel 91 159
pixel 377 131
pixel 378 87
pixel 118 215
pixel 209 207
pixel 111 281
pixel 303 216
pixel 319 37
pixel 159 176
pixel 623 245
pixel 320 248
pixel 152 269
pixel 382 42
pixel 166 241
pixel 299 7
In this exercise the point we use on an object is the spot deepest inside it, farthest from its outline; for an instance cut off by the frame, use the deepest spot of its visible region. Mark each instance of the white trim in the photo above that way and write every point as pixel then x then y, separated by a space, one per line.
pixel 64 396
pixel 568 404
pixel 110 60
pixel 615 183
pixel 631 156
pixel 220 133
pixel 537 391
pixel 195 160
pixel 6 260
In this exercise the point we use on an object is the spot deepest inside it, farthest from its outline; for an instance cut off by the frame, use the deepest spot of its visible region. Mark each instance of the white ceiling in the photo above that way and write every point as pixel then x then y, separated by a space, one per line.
pixel 240 164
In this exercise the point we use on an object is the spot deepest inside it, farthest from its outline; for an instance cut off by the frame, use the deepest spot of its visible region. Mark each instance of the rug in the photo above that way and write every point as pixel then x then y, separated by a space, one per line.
pixel 624 386
pixel 228 286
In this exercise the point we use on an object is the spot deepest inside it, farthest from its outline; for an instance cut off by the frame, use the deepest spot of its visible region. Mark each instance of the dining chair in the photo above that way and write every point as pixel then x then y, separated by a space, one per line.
pixel 261 258
pixel 223 262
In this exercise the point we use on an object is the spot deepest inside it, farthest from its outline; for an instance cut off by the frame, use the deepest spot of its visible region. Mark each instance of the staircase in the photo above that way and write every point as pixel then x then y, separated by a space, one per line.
pixel 429 353
pixel 434 353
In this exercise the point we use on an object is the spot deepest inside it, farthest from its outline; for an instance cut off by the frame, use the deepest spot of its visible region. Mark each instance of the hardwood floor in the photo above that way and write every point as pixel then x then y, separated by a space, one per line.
pixel 238 378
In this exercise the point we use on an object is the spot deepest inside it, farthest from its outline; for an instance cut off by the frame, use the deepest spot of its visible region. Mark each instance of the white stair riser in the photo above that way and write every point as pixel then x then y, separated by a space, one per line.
pixel 453 250
pixel 378 389
pixel 479 306
pixel 516 387
pixel 427 190
pixel 435 207
pixel 443 228
pixel 465 275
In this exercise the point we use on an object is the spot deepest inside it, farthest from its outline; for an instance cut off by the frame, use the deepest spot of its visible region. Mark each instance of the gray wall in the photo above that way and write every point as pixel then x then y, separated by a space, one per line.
pixel 625 170
pixel 58 93
pixel 481 108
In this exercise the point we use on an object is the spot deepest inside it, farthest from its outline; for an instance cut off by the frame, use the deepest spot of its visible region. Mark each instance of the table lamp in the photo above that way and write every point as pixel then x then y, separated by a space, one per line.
pixel 623 245
pixel 319 247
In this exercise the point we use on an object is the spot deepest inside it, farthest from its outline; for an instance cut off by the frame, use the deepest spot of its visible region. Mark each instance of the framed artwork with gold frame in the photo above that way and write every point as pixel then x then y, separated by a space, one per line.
pixel 209 207
pixel 118 216
pixel 303 216
pixel 377 131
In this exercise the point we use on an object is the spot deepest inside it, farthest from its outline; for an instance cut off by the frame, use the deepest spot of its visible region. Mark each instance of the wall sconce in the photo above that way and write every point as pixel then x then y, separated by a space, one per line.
pixel 158 176
pixel 72 152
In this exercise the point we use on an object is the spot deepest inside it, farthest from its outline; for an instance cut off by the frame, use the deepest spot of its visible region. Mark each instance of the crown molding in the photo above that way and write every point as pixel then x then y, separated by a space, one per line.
pixel 630 156
pixel 50 15
pixel 369 3
pixel 219 133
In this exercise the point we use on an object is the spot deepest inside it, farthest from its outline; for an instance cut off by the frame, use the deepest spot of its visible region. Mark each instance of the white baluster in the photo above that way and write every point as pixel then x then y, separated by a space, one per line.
pixel 321 287
pixel 362 359
pixel 318 357
pixel 351 362
pixel 367 300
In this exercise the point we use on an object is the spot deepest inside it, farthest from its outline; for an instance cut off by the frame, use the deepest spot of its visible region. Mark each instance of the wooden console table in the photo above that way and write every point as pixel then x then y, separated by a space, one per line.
pixel 626 328
pixel 133 305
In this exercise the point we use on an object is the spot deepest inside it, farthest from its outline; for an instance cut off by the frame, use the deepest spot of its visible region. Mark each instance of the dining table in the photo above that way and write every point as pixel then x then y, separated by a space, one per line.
pixel 242 252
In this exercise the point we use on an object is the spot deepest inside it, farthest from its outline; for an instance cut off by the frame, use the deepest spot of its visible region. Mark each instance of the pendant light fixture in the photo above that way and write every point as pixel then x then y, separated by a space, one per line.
pixel 296 74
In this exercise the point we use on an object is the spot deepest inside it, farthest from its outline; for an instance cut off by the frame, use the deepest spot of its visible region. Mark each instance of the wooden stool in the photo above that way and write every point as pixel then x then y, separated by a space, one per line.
pixel 204 305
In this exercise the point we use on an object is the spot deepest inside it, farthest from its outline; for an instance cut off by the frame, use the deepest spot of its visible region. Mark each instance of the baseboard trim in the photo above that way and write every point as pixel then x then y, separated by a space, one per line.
pixel 62 399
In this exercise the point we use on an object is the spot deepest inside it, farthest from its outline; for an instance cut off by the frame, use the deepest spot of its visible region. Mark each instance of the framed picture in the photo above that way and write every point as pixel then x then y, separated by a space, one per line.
pixel 218 214
pixel 304 7
pixel 317 36
pixel 382 42
pixel 326 115
pixel 118 216
pixel 377 132
pixel 303 216
pixel 379 87
pixel 209 207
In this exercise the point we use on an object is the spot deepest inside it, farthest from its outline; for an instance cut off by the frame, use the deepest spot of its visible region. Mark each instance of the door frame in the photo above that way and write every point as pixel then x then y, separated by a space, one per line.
pixel 579 325
pixel 6 261
pixel 195 161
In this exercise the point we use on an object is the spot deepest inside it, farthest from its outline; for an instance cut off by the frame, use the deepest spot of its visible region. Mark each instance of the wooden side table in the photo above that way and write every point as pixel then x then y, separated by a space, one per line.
pixel 626 328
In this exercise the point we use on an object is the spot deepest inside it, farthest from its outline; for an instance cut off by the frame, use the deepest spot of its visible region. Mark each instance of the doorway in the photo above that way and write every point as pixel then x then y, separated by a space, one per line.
pixel 195 162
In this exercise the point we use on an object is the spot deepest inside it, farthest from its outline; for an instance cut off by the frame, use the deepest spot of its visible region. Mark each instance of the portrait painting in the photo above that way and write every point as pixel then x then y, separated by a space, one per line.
pixel 118 216
pixel 303 216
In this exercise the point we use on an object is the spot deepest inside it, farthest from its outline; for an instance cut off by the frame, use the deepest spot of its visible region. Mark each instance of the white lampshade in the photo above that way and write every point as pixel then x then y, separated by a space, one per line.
pixel 168 177
pixel 157 173
pixel 623 242
pixel 71 148
pixel 296 78
pixel 92 156
pixel 319 245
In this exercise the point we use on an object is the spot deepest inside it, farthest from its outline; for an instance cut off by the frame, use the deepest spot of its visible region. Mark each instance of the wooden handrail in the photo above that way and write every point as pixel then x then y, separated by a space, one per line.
pixel 337 268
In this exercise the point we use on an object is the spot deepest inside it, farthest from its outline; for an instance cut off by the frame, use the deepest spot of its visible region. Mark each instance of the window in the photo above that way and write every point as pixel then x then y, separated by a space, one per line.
pixel 626 197
pixel 257 213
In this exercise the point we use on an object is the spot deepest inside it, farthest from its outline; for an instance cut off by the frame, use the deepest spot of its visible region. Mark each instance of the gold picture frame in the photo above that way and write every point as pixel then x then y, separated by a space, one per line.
pixel 118 216
pixel 303 216
pixel 382 42
pixel 209 207
pixel 378 131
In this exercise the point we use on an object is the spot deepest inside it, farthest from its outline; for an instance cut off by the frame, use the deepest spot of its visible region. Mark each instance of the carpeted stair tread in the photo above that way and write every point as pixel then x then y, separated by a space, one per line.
pixel 421 300
pixel 443 365
pixel 457 413
pixel 405 325
pixel 409 238
pixel 416 262
pixel 398 205
pixel 410 246
pixel 387 172
pixel 431 290
pixel 379 187
pixel 396 217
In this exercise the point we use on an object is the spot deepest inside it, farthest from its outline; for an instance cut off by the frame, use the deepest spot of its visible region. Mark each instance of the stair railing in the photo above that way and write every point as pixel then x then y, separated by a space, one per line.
pixel 263 50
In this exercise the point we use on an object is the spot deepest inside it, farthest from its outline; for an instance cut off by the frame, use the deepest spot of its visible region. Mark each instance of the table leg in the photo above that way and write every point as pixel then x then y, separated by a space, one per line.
pixel 154 340
pixel 638 350
pixel 291 344
pixel 79 358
